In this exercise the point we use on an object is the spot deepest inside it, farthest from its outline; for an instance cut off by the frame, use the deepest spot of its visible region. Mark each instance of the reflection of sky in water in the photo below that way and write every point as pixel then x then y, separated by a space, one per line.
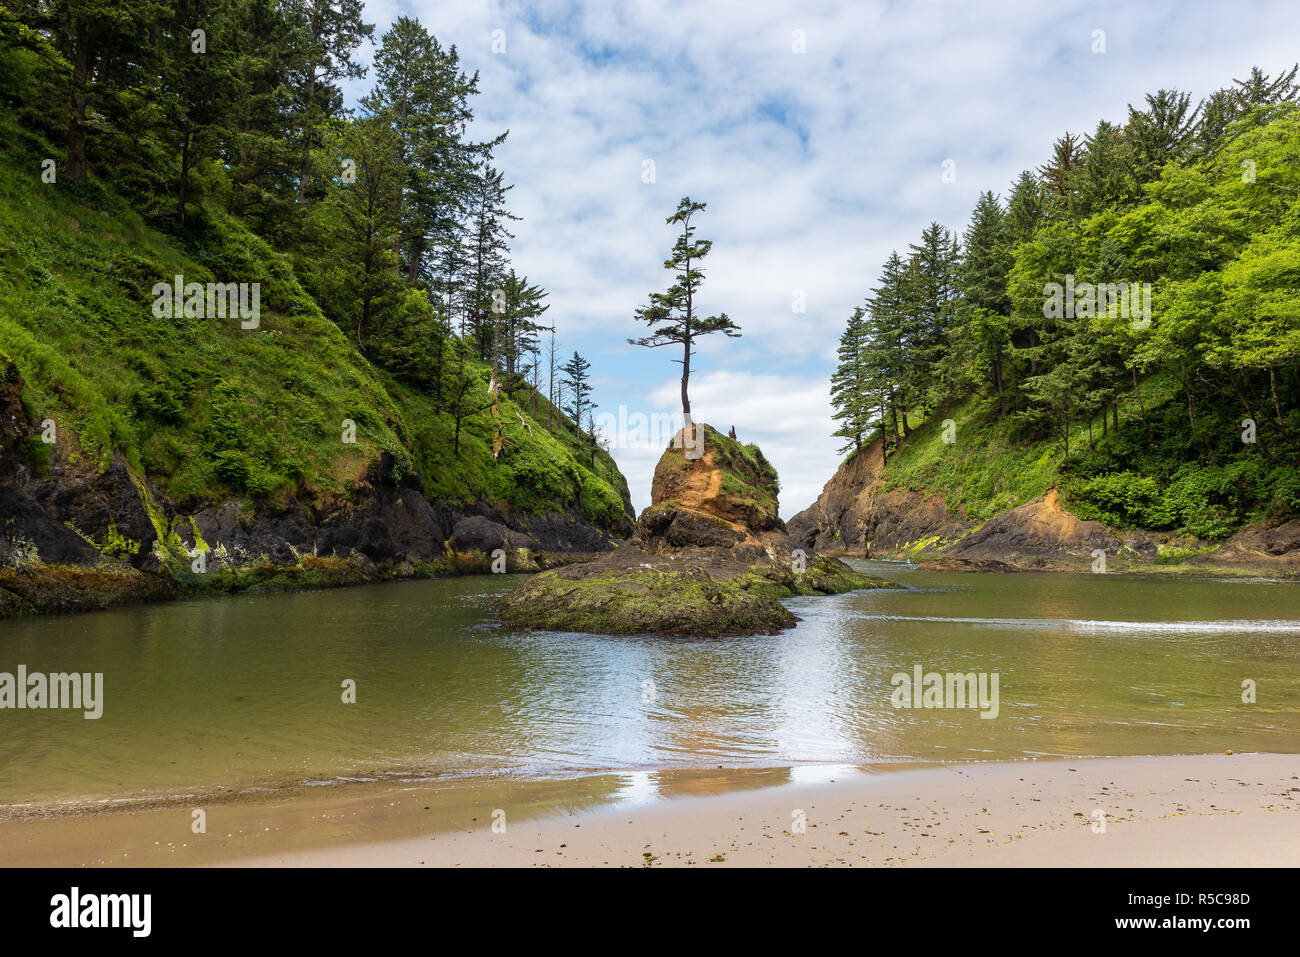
pixel 245 691
pixel 637 787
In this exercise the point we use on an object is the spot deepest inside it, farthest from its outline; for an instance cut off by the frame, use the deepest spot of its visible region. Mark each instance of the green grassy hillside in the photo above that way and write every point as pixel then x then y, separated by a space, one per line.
pixel 210 411
pixel 1143 475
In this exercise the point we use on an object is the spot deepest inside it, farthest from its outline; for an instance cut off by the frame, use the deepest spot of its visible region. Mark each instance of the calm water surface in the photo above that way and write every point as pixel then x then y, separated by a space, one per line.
pixel 244 692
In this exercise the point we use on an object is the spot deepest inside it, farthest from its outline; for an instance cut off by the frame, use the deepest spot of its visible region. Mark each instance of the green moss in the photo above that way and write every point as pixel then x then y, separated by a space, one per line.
pixel 648 601
pixel 116 545
pixel 747 474
pixel 624 601
pixel 49 589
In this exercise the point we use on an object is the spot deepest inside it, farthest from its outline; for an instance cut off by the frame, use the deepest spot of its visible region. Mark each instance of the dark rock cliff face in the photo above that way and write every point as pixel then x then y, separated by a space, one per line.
pixel 56 511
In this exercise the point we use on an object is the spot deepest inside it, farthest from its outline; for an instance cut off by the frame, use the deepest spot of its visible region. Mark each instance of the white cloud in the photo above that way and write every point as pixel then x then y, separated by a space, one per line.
pixel 814 165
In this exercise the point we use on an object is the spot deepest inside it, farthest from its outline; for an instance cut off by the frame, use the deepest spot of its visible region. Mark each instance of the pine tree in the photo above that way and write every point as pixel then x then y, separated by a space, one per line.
pixel 487 258
pixel 259 146
pixel 355 225
pixel 1024 209
pixel 672 315
pixel 982 322
pixel 421 91
pixel 523 307
pixel 1161 133
pixel 577 379
pixel 930 300
pixel 1059 175
pixel 890 332
pixel 849 395
pixel 1258 89
pixel 326 35
pixel 196 86
pixel 1106 179
pixel 108 45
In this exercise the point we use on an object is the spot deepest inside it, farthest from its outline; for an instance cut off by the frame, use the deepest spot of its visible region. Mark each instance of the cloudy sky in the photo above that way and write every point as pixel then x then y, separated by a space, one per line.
pixel 817 133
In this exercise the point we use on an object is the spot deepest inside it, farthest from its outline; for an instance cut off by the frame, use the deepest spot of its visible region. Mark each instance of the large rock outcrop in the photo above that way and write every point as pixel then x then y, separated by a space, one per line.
pixel 711 556
pixel 854 515
pixel 857 514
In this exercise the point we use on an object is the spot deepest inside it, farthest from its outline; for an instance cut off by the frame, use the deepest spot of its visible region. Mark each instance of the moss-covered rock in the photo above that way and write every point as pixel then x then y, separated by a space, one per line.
pixel 695 591
pixel 633 601
pixel 48 589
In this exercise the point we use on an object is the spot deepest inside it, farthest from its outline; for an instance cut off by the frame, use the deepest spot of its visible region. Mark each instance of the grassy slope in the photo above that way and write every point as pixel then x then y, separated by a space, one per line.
pixel 210 411
pixel 1125 479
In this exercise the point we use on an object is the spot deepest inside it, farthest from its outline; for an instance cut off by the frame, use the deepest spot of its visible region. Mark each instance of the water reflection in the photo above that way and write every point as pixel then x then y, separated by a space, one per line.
pixel 243 692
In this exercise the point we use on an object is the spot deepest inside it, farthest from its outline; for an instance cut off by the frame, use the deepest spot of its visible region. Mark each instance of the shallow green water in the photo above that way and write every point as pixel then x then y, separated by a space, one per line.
pixel 245 692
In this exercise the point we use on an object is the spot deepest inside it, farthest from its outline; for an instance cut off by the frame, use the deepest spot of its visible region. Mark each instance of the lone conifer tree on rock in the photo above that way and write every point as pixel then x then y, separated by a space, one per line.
pixel 671 315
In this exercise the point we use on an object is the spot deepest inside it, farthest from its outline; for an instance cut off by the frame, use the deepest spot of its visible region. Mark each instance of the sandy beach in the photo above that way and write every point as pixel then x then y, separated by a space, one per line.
pixel 1212 810
pixel 1196 810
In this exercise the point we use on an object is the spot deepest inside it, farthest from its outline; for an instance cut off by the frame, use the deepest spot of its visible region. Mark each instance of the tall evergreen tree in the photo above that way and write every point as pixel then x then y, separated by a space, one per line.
pixel 326 36
pixel 1164 131
pixel 982 324
pixel 487 252
pixel 672 316
pixel 577 379
pixel 849 384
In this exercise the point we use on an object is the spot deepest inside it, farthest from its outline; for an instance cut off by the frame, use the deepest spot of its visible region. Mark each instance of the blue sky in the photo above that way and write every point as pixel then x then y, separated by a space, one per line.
pixel 814 164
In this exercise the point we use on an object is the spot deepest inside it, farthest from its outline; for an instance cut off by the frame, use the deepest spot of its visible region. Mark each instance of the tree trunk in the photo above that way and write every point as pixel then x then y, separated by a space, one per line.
pixel 1187 388
pixel 686 338
pixel 1142 409
pixel 185 175
pixel 686 376
pixel 77 105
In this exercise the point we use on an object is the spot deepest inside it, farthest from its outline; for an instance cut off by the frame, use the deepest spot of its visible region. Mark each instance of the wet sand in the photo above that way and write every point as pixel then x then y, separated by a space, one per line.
pixel 1197 810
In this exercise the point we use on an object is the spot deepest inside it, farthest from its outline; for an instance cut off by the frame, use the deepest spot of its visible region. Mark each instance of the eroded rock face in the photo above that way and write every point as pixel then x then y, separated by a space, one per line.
pixel 706 472
pixel 1036 529
pixel 856 515
pixel 479 534
pixel 1272 547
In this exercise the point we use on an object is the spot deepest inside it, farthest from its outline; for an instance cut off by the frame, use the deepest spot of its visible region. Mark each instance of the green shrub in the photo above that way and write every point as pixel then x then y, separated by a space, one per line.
pixel 1121 499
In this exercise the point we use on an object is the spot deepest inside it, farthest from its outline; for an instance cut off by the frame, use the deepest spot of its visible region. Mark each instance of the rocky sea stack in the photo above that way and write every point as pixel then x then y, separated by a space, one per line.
pixel 711 556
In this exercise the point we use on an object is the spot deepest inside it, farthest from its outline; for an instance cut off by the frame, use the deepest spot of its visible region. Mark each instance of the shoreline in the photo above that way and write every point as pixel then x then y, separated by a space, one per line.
pixel 36 590
pixel 1182 810
pixel 33 591
pixel 1071 564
